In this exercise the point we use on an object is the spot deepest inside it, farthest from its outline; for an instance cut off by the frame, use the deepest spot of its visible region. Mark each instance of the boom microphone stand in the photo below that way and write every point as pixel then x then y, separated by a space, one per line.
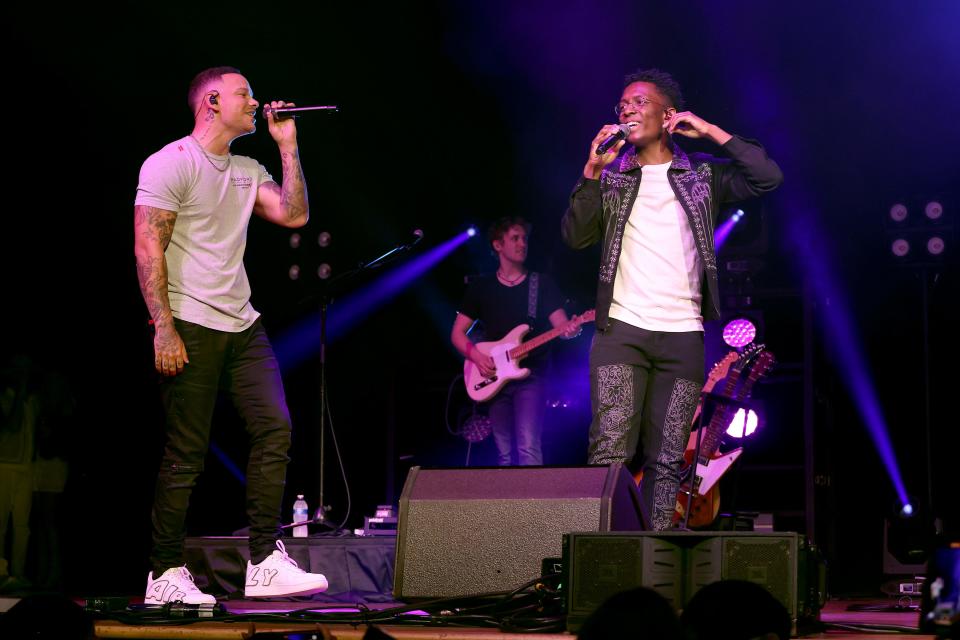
pixel 325 295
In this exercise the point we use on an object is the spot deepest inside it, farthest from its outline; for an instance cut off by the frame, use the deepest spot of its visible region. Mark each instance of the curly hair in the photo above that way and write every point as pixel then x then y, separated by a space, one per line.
pixel 662 80
pixel 199 83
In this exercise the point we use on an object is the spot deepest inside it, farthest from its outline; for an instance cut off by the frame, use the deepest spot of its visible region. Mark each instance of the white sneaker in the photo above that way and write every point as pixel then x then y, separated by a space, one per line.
pixel 279 575
pixel 175 585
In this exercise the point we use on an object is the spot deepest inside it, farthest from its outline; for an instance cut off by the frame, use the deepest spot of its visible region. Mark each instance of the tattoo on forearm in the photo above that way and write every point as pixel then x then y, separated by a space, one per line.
pixel 152 274
pixel 293 196
pixel 154 226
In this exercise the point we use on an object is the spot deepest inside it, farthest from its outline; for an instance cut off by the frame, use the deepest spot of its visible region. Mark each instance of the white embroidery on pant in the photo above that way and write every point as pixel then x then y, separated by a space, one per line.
pixel 673 440
pixel 615 405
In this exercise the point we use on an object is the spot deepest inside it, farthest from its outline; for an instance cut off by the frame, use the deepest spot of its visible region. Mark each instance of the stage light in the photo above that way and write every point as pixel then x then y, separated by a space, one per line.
pixel 900 247
pixel 898 212
pixel 476 428
pixel 906 511
pixel 323 239
pixel 294 272
pixel 472 231
pixel 744 423
pixel 933 210
pixel 294 240
pixel 739 332
pixel 323 271
pixel 935 245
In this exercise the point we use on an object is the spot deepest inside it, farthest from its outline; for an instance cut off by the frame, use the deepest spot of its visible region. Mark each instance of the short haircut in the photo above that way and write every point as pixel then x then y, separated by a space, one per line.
pixel 662 80
pixel 500 228
pixel 201 80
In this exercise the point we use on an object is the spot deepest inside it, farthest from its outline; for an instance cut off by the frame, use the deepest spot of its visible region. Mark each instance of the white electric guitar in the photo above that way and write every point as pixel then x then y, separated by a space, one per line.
pixel 507 353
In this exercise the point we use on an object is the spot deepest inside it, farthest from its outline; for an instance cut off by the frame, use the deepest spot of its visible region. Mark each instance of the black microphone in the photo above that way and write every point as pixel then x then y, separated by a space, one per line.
pixel 623 130
pixel 292 112
pixel 417 237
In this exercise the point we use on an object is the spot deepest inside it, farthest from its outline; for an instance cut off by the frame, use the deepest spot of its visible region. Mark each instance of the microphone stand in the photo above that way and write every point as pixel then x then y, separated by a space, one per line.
pixel 326 299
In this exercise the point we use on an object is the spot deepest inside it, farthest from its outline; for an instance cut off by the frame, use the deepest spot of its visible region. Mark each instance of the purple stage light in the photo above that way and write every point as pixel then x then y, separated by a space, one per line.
pixel 898 212
pixel 303 340
pixel 739 332
pixel 900 247
pixel 935 245
pixel 842 337
pixel 723 231
pixel 472 231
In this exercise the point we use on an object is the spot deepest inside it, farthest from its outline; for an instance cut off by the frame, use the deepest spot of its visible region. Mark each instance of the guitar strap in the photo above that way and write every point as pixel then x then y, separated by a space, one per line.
pixel 532 292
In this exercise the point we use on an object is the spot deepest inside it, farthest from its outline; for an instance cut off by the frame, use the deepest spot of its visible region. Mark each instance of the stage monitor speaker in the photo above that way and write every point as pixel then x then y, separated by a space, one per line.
pixel 483 530
pixel 678 563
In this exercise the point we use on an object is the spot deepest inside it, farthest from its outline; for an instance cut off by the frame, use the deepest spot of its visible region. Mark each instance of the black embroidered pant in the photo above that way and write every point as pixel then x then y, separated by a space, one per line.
pixel 242 364
pixel 644 388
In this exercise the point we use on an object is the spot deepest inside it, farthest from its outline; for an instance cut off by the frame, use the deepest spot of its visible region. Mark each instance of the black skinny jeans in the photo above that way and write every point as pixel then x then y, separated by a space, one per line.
pixel 242 364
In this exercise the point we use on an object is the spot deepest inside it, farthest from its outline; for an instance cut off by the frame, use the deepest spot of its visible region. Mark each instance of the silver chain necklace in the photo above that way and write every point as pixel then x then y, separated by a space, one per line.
pixel 210 160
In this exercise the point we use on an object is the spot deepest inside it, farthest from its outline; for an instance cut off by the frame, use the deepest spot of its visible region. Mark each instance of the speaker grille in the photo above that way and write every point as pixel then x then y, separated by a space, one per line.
pixel 469 531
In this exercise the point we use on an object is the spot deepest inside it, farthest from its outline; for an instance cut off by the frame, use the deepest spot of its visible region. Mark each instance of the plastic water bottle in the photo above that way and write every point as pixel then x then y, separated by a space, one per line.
pixel 301 513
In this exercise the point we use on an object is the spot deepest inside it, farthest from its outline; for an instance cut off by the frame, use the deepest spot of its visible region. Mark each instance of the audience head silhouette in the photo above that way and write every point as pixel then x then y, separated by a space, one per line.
pixel 636 614
pixel 735 610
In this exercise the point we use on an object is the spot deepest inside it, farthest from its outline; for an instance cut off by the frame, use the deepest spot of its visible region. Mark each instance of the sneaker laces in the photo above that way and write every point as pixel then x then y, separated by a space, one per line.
pixel 184 573
pixel 284 556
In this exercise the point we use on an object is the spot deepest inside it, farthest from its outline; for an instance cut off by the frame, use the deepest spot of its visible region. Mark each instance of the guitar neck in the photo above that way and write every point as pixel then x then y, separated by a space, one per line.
pixel 711 438
pixel 523 349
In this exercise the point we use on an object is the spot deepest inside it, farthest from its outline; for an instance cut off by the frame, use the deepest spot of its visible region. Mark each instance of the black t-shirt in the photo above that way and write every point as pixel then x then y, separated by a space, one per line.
pixel 500 308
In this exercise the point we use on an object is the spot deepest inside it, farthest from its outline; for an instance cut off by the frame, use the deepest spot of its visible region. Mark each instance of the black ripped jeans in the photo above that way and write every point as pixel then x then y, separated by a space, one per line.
pixel 242 364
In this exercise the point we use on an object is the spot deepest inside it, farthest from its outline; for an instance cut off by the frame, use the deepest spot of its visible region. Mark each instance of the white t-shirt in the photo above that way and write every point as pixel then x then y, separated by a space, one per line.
pixel 657 286
pixel 207 282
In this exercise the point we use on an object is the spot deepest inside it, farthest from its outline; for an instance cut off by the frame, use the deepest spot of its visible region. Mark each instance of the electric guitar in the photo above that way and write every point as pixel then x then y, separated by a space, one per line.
pixel 700 480
pixel 507 353
pixel 717 373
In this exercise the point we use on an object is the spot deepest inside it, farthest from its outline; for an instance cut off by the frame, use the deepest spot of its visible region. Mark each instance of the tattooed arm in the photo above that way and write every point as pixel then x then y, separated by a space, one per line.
pixel 284 205
pixel 153 228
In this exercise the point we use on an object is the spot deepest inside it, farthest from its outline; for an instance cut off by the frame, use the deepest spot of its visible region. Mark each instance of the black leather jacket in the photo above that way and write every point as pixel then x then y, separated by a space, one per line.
pixel 702 183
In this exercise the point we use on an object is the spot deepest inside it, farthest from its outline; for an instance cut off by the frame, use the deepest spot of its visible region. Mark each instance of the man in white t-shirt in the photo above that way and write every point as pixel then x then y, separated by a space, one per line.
pixel 654 212
pixel 193 205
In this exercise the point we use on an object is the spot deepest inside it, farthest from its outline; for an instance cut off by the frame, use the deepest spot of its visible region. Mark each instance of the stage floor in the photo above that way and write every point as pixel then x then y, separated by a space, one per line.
pixel 837 621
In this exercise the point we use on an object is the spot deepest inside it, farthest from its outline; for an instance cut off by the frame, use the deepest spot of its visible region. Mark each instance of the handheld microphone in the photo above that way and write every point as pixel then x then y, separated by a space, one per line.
pixel 292 112
pixel 623 130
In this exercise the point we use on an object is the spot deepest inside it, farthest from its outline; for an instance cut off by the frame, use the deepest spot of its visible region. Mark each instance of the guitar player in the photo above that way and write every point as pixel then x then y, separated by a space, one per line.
pixel 501 301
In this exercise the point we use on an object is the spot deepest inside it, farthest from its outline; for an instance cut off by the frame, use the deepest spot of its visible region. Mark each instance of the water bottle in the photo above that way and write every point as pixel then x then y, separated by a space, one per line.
pixel 301 513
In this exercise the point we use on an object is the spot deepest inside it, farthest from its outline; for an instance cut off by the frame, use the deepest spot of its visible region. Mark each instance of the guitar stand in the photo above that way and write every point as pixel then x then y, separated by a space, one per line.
pixel 719 400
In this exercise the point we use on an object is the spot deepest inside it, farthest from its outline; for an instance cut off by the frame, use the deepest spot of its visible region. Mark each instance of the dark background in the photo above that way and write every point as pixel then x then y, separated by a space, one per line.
pixel 454 114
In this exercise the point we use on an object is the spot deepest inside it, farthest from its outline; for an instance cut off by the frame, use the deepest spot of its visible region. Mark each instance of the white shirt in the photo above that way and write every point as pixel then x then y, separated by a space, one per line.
pixel 657 286
pixel 207 283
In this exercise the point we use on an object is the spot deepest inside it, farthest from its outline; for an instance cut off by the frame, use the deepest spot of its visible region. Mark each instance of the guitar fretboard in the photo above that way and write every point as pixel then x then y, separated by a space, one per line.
pixel 523 349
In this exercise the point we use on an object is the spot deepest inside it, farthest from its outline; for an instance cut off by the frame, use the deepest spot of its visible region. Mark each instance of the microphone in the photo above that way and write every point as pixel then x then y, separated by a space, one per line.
pixel 292 112
pixel 623 130
pixel 417 237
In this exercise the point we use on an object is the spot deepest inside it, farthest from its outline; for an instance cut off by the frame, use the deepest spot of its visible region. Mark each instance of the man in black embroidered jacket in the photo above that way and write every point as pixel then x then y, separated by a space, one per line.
pixel 654 210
